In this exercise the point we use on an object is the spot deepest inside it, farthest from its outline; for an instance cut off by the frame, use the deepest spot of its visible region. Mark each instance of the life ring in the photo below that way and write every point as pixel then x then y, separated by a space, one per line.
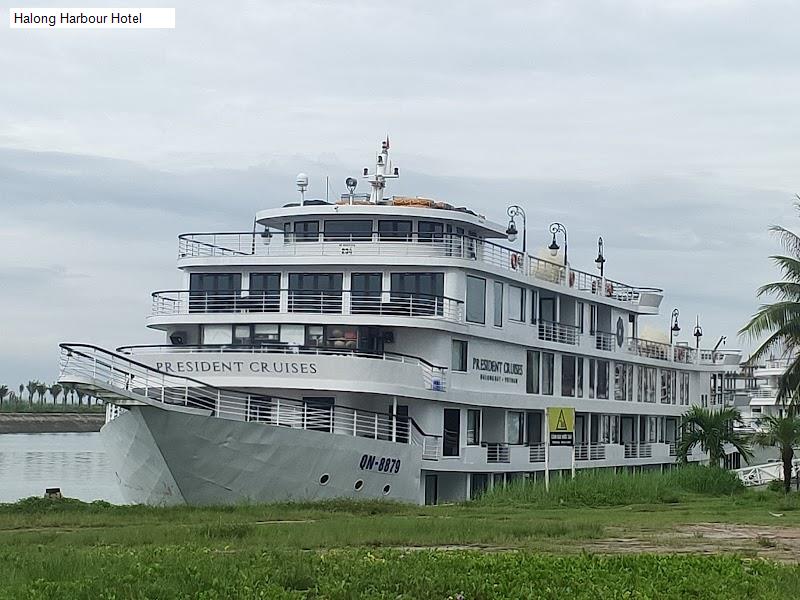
pixel 514 261
pixel 572 279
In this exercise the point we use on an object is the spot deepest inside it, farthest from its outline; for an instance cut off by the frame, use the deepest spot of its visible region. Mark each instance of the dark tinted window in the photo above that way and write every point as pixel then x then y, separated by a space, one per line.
pixel 395 229
pixel 423 284
pixel 306 231
pixel 215 282
pixel 265 282
pixel 347 230
pixel 430 230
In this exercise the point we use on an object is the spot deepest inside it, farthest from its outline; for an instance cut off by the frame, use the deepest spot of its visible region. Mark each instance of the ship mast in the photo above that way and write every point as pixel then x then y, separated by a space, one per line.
pixel 383 171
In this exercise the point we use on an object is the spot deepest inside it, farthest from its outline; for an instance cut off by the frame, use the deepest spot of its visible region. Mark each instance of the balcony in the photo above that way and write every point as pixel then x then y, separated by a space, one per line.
pixel 604 341
pixel 590 452
pixel 497 452
pixel 550 331
pixel 185 302
pixel 536 453
pixel 638 450
pixel 649 349
pixel 415 245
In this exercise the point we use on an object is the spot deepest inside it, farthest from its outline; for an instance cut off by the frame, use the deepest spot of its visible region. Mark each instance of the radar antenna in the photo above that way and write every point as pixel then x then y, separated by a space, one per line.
pixel 383 170
pixel 302 186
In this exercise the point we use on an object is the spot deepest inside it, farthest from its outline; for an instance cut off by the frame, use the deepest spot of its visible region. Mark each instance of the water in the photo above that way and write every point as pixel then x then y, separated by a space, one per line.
pixel 75 462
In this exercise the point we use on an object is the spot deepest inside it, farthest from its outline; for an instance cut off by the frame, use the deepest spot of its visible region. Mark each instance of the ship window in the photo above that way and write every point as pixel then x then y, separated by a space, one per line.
pixel 306 231
pixel 418 293
pixel 598 379
pixel 348 230
pixel 515 427
pixel 428 231
pixel 459 358
pixel 400 230
pixel 568 373
pixel 215 334
pixel 473 427
pixel 386 489
pixel 359 485
pixel 314 335
pixel 548 372
pixel 214 292
pixel 516 303
pixel 534 306
pixel 266 333
pixel 265 291
pixel 324 479
pixel 579 378
pixel 365 292
pixel 315 292
pixel 242 335
pixel 532 372
pixel 498 303
pixel 476 299
pixel 451 444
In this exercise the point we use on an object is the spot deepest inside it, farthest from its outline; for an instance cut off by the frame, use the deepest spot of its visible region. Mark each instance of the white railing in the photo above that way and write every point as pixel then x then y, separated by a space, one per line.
pixel 112 411
pixel 763 474
pixel 497 452
pixel 590 452
pixel 91 367
pixel 184 302
pixel 604 340
pixel 649 349
pixel 536 452
pixel 558 332
pixel 638 450
pixel 424 245
pixel 764 392
pixel 434 377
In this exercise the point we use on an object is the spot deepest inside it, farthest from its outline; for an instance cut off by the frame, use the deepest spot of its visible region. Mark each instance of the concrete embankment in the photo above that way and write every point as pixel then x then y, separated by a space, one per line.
pixel 51 422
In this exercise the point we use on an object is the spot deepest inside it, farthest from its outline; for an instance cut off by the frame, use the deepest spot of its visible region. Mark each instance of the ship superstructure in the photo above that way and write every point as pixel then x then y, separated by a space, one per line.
pixel 390 347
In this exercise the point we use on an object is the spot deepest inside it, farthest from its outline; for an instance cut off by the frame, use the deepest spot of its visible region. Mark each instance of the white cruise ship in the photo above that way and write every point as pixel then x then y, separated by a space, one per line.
pixel 387 347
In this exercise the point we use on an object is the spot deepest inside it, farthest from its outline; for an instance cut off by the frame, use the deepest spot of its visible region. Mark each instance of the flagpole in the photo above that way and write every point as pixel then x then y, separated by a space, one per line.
pixel 547 450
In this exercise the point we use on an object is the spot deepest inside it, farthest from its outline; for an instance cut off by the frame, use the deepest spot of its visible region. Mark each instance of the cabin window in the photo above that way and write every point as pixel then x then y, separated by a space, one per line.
pixel 568 372
pixel 265 292
pixel 459 358
pixel 498 303
pixel 315 335
pixel 647 384
pixel 266 333
pixel 419 293
pixel 306 231
pixel 428 231
pixel 515 427
pixel 215 334
pixel 315 292
pixel 532 372
pixel 451 432
pixel 395 230
pixel 623 382
pixel 579 376
pixel 214 292
pixel 516 303
pixel 684 397
pixel 346 230
pixel 242 335
pixel 598 379
pixel 668 384
pixel 534 306
pixel 548 372
pixel 476 299
pixel 473 427
pixel 365 292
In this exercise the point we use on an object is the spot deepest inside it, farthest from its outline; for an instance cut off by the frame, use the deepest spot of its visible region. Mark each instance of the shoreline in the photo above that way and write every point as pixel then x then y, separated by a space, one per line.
pixel 62 422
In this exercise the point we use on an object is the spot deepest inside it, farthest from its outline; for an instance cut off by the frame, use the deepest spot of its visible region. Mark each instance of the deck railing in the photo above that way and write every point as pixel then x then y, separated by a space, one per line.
pixel 108 373
pixel 497 452
pixel 550 331
pixel 604 340
pixel 536 452
pixel 423 245
pixel 649 349
pixel 590 452
pixel 183 302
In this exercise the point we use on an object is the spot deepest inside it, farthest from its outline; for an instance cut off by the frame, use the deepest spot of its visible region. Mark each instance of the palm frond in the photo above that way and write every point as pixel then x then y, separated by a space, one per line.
pixel 789 266
pixel 785 290
pixel 788 239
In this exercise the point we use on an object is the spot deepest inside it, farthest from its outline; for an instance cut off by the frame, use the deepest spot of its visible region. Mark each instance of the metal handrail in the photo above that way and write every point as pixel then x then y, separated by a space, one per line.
pixel 376 243
pixel 131 378
pixel 552 331
pixel 404 304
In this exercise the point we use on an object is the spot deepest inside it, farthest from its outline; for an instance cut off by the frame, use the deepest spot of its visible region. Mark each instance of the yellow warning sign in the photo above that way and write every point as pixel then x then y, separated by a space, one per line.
pixel 561 425
pixel 561 420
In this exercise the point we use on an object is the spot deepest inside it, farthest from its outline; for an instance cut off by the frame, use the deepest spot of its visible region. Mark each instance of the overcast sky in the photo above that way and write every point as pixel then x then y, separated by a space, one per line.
pixel 668 128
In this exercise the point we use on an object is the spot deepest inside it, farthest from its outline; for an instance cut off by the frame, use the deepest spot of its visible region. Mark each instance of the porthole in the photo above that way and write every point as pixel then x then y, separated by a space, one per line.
pixel 386 489
pixel 324 479
pixel 359 485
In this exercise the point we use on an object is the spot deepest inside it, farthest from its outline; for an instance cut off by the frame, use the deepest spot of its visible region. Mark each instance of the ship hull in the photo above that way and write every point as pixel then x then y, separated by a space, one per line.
pixel 165 457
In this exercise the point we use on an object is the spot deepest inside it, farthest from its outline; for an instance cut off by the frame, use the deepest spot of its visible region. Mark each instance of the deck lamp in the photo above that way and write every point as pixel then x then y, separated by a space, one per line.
pixel 513 212
pixel 675 329
pixel 600 261
pixel 698 331
pixel 554 247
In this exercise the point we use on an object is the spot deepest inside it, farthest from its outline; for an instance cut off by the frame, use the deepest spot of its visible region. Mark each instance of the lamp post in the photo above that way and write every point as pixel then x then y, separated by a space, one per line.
pixel 698 332
pixel 600 261
pixel 513 212
pixel 674 329
pixel 554 247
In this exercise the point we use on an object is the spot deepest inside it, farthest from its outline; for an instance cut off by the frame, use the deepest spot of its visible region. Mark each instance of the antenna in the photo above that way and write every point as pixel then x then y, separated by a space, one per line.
pixel 327 188
pixel 383 171
pixel 302 186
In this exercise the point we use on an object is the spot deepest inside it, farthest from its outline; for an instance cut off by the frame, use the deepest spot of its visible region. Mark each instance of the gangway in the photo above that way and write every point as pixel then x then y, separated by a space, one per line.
pixel 763 474
pixel 117 379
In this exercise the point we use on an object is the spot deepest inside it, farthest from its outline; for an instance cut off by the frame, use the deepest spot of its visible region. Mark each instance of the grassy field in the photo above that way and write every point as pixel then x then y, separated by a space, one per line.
pixel 23 406
pixel 682 534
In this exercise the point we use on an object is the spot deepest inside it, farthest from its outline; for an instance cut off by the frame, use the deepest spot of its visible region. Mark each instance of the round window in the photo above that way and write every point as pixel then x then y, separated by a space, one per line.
pixel 386 489
pixel 324 479
pixel 359 484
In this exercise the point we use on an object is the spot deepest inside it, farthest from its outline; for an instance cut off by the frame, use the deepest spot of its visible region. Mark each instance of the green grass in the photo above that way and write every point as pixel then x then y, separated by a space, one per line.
pixel 520 542
pixel 605 488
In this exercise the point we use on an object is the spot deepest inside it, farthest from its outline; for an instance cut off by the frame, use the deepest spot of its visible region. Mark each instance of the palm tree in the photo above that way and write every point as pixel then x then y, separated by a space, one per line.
pixel 41 390
pixel 80 395
pixel 3 393
pixel 780 320
pixel 31 387
pixel 55 391
pixel 711 429
pixel 783 432
pixel 21 387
